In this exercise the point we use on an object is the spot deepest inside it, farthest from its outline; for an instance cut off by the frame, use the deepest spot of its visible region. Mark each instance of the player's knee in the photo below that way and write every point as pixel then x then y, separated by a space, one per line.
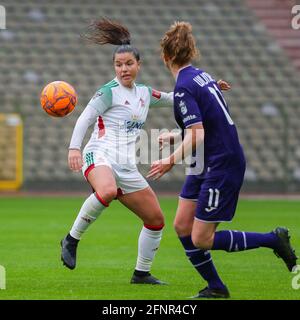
pixel 109 193
pixel 182 228
pixel 202 241
pixel 159 219
pixel 156 219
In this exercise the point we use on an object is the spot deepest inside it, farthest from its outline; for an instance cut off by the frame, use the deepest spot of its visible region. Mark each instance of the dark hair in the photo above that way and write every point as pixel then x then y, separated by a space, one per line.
pixel 105 31
pixel 178 44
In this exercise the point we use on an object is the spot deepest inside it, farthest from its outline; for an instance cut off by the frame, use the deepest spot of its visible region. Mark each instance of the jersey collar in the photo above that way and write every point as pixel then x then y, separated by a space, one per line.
pixel 189 65
pixel 130 89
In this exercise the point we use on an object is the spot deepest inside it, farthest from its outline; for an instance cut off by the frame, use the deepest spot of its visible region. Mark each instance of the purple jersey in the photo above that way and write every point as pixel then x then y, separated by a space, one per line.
pixel 198 99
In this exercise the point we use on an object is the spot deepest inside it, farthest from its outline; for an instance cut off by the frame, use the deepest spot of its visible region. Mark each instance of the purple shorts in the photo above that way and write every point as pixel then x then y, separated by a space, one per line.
pixel 216 196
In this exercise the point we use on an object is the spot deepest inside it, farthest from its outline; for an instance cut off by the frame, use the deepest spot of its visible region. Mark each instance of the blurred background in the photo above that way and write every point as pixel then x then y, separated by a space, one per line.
pixel 249 43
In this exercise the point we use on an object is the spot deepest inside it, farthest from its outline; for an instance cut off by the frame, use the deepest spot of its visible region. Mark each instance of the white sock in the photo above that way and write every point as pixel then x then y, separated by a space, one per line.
pixel 88 213
pixel 149 241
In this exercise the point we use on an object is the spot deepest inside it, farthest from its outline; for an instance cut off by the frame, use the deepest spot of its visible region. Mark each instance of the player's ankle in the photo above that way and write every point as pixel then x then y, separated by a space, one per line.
pixel 141 273
pixel 71 239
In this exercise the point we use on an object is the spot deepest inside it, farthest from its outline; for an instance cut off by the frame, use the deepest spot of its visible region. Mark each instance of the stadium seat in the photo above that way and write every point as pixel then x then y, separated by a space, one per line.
pixel 44 45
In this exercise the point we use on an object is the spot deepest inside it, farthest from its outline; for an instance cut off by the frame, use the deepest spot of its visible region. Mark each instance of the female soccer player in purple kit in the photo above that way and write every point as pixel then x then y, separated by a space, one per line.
pixel 211 197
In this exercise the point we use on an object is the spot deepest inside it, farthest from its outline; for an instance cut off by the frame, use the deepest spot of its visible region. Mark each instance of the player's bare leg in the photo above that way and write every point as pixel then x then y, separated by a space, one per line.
pixel 184 219
pixel 203 234
pixel 146 206
pixel 200 259
pixel 103 182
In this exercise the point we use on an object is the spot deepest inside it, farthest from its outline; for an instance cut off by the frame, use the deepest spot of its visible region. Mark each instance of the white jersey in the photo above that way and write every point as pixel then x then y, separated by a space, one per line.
pixel 120 113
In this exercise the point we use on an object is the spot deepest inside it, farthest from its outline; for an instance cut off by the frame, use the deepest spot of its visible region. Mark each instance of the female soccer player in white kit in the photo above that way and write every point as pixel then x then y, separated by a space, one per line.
pixel 119 109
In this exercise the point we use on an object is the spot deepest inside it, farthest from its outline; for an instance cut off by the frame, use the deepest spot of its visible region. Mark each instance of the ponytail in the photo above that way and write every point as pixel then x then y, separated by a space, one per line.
pixel 105 31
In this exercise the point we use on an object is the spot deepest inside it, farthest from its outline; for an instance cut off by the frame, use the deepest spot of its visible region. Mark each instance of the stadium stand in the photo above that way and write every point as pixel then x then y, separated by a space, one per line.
pixel 42 44
pixel 276 16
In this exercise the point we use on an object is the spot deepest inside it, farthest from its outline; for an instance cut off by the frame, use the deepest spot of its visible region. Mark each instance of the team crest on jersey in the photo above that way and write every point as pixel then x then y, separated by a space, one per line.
pixel 142 102
pixel 97 95
pixel 182 107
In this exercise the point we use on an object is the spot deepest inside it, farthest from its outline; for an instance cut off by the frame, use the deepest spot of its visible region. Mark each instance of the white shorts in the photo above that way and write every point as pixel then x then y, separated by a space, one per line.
pixel 127 179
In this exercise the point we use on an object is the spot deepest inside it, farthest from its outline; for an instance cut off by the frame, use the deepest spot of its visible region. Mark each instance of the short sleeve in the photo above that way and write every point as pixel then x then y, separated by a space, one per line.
pixel 102 100
pixel 186 107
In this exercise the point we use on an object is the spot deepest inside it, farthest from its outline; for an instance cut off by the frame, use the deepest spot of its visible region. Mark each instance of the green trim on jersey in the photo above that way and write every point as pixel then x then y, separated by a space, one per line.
pixel 153 100
pixel 111 84
pixel 141 85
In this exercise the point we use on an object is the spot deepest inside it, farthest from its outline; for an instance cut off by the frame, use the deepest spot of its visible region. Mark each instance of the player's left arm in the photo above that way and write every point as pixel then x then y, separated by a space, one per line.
pixel 223 85
pixel 188 109
pixel 194 136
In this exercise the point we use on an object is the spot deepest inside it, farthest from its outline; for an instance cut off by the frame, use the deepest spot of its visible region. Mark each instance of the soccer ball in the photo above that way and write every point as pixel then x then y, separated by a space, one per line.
pixel 58 98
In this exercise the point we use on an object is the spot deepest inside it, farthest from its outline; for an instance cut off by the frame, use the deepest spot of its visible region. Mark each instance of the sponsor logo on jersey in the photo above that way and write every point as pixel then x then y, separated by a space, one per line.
pixel 127 103
pixel 179 95
pixel 188 118
pixel 131 126
pixel 182 107
pixel 156 94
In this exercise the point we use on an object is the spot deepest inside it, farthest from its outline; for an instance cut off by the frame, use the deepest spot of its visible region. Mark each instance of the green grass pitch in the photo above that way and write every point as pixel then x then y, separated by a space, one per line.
pixel 31 230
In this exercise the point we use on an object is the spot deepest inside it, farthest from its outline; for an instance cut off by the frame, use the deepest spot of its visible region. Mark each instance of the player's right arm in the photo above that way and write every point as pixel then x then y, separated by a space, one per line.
pixel 87 118
pixel 97 106
pixel 160 98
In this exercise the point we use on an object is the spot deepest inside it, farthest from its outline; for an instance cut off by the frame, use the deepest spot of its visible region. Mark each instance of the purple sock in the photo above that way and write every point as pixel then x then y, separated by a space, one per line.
pixel 231 241
pixel 202 262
